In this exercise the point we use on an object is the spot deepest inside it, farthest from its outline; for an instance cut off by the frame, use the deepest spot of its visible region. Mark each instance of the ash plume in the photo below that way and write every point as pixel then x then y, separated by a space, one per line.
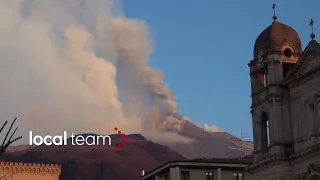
pixel 80 66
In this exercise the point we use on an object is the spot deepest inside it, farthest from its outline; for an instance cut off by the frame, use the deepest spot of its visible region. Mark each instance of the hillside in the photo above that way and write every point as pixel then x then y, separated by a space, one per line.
pixel 207 144
pixel 103 162
pixel 99 162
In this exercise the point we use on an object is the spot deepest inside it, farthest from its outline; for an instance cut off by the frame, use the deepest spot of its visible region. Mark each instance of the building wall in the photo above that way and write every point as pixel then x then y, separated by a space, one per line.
pixel 29 171
pixel 273 171
pixel 301 166
pixel 303 123
pixel 306 118
pixel 199 174
pixel 226 175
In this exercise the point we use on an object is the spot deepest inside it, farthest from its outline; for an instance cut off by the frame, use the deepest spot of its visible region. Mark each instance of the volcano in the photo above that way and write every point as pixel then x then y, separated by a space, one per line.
pixel 103 162
pixel 210 144
pixel 98 162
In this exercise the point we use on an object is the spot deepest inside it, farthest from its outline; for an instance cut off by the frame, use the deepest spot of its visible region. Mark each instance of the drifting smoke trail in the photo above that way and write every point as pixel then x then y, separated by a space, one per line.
pixel 59 61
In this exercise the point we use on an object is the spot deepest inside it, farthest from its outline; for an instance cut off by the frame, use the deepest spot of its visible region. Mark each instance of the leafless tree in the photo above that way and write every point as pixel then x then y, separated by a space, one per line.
pixel 5 143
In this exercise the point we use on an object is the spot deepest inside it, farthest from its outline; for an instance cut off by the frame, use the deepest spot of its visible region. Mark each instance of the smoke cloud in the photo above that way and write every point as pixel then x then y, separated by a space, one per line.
pixel 80 66
pixel 209 128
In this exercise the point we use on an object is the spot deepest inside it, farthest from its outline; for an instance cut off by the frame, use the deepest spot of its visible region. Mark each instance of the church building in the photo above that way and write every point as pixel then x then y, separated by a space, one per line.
pixel 285 92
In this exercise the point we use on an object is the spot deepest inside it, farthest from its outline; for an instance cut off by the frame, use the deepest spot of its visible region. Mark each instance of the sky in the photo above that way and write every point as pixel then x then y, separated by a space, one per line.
pixel 203 48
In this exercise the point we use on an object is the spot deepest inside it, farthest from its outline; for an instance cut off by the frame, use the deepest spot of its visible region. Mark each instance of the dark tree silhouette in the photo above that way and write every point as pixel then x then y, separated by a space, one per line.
pixel 5 144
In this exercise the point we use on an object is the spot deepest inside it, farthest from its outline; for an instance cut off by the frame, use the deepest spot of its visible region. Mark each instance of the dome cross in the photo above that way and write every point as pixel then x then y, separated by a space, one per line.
pixel 312 35
pixel 274 12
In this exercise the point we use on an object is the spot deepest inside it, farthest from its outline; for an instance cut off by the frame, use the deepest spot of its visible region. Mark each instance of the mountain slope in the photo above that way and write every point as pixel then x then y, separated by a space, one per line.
pixel 99 162
pixel 208 144
pixel 102 162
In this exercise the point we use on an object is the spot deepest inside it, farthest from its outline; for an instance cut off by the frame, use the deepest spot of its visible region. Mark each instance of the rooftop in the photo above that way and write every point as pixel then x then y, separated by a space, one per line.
pixel 203 162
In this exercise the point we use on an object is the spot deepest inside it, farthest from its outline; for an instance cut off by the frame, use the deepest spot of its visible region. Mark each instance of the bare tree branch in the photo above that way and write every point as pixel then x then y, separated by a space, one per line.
pixel 4 148
pixel 4 141
pixel 13 134
pixel 5 144
pixel 3 126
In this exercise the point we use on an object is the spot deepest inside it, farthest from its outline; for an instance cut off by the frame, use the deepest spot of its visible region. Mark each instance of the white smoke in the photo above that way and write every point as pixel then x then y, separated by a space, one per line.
pixel 209 128
pixel 78 64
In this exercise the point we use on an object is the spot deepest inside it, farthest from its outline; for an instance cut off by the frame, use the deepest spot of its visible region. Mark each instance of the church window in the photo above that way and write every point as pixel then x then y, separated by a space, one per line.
pixel 237 176
pixel 263 76
pixel 266 77
pixel 185 175
pixel 287 52
pixel 166 177
pixel 265 80
pixel 265 136
pixel 209 176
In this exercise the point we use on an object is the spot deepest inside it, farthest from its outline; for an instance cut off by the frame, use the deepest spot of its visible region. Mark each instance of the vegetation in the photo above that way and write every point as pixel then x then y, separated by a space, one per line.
pixel 5 144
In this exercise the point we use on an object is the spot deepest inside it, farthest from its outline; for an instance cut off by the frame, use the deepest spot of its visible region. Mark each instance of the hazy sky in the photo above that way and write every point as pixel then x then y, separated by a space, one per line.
pixel 203 48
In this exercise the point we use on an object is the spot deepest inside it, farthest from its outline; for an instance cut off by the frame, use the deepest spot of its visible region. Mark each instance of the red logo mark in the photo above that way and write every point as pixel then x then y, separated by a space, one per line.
pixel 123 141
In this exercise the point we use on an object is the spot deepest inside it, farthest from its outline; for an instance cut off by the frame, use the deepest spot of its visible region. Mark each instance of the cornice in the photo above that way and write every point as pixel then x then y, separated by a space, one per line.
pixel 271 52
pixel 309 151
pixel 30 168
pixel 275 100
pixel 253 73
pixel 261 164
pixel 259 103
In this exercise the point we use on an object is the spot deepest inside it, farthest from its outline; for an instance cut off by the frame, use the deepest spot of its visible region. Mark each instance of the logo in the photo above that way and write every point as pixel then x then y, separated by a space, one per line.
pixel 63 139
pixel 123 142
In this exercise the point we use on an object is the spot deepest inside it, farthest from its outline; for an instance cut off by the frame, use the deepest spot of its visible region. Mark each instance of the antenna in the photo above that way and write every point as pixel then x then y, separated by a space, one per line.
pixel 243 138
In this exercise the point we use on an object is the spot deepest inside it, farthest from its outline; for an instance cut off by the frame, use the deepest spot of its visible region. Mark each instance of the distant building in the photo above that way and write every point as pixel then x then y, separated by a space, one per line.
pixel 29 171
pixel 285 92
pixel 201 169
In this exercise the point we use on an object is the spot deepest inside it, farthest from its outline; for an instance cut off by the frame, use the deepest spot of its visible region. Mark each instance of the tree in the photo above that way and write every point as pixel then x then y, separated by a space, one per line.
pixel 5 143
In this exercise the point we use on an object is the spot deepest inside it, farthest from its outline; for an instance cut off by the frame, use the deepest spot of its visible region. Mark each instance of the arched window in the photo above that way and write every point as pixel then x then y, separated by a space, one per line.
pixel 263 76
pixel 266 77
pixel 265 136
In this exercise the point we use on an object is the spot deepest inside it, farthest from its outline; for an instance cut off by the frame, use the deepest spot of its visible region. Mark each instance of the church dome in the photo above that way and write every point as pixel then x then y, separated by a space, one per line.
pixel 278 37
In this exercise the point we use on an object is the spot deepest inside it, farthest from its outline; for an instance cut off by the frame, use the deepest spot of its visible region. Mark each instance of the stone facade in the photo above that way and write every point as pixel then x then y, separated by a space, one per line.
pixel 29 171
pixel 285 91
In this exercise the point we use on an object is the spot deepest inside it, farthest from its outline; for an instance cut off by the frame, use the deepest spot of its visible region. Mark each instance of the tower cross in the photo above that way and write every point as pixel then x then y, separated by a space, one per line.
pixel 311 24
pixel 312 35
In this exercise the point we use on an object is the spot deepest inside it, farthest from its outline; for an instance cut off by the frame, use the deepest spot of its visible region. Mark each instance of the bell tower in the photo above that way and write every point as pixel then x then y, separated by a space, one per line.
pixel 276 51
